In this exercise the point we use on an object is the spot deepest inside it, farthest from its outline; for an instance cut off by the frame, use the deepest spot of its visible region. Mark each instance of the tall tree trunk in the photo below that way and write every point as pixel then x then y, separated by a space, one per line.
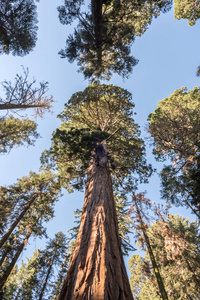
pixel 47 277
pixel 97 21
pixel 20 106
pixel 14 224
pixel 151 255
pixel 97 270
pixel 7 250
pixel 14 260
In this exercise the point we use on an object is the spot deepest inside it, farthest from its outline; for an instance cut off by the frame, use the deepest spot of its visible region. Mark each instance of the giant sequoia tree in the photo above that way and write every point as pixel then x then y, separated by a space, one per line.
pixel 98 138
pixel 102 40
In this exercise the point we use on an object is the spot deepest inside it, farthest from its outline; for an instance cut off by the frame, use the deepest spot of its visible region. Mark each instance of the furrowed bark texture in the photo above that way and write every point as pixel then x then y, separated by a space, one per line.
pixel 97 270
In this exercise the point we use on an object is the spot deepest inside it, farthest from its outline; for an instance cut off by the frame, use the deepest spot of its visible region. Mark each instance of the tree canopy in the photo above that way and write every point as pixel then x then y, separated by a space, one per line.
pixel 102 40
pixel 21 95
pixel 24 94
pixel 175 243
pixel 15 132
pixel 99 113
pixel 18 29
pixel 175 127
pixel 187 9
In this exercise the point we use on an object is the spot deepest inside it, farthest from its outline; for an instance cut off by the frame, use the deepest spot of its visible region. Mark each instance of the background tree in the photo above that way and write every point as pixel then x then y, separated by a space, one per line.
pixel 175 127
pixel 22 235
pixel 26 220
pixel 16 132
pixel 97 127
pixel 190 10
pixel 18 29
pixel 35 278
pixel 176 245
pixel 22 95
pixel 102 40
pixel 187 9
pixel 142 280
pixel 52 257
pixel 139 211
pixel 63 268
pixel 35 193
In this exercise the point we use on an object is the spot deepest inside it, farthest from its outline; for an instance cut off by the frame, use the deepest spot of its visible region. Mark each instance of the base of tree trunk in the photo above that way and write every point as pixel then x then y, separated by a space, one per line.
pixel 97 270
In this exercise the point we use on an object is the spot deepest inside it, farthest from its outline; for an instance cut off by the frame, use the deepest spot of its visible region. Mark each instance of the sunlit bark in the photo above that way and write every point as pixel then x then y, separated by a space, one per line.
pixel 97 269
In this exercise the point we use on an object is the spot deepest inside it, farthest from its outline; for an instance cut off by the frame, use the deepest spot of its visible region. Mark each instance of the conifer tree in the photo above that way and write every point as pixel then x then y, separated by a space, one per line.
pixel 64 266
pixel 25 280
pixel 35 193
pixel 18 29
pixel 35 279
pixel 96 133
pixel 175 243
pixel 6 270
pixel 16 132
pixel 175 127
pixel 138 211
pixel 31 222
pixel 22 95
pixel 187 9
pixel 102 40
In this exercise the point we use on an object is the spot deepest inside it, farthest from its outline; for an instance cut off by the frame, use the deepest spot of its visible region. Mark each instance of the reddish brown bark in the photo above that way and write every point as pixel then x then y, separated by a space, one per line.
pixel 97 270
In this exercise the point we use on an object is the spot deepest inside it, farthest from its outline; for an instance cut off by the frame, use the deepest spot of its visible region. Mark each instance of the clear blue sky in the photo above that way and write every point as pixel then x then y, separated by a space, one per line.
pixel 168 56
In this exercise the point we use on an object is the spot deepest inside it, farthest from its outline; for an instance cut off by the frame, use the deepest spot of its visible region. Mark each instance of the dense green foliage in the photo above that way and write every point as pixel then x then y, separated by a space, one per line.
pixel 102 40
pixel 175 243
pixel 38 277
pixel 21 95
pixel 99 113
pixel 25 207
pixel 41 188
pixel 18 27
pixel 101 45
pixel 15 132
pixel 187 9
pixel 139 210
pixel 175 127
